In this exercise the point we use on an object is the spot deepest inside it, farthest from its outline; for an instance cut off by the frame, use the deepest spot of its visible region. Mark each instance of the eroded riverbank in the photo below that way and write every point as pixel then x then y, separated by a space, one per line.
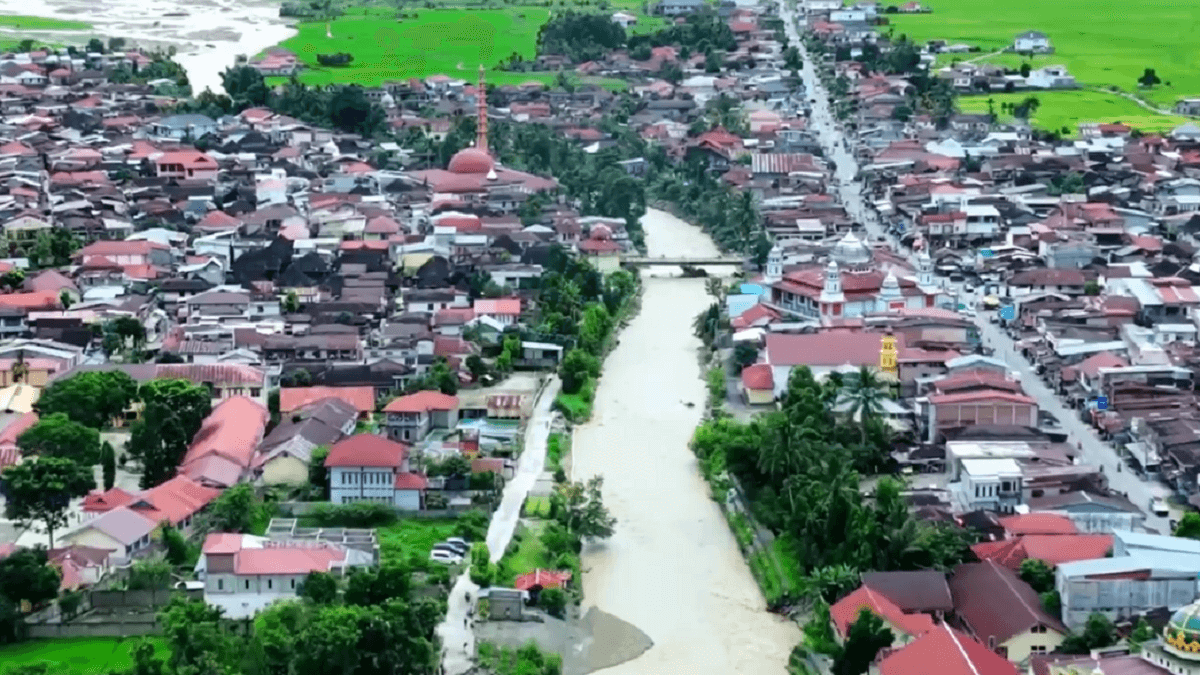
pixel 673 568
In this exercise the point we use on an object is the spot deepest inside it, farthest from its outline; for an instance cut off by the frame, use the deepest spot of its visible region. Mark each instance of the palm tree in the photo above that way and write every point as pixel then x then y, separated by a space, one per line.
pixel 864 393
pixel 782 453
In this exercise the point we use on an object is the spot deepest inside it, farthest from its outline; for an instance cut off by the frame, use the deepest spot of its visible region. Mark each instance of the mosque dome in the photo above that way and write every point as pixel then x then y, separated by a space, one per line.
pixel 601 233
pixel 850 252
pixel 471 161
pixel 1182 633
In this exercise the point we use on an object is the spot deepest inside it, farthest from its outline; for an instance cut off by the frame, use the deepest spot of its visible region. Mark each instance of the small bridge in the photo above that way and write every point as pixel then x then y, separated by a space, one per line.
pixel 695 262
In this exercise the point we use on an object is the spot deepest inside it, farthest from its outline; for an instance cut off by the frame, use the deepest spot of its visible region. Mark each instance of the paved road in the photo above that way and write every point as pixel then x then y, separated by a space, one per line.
pixel 833 140
pixel 458 639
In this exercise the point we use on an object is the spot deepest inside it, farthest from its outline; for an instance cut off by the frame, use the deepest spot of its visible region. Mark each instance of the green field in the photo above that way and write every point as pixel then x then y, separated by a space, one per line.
pixel 452 42
pixel 1102 42
pixel 15 21
pixel 1060 109
pixel 82 656
pixel 413 536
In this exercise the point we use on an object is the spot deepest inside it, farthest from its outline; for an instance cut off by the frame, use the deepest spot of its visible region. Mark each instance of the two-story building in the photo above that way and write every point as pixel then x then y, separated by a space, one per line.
pixel 410 418
pixel 370 468
pixel 243 573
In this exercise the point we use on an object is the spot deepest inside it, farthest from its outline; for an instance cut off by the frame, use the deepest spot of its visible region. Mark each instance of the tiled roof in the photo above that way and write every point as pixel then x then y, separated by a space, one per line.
pixel 99 502
pixel 367 450
pixel 945 651
pixel 845 611
pixel 232 431
pixel 912 590
pixel 411 481
pixel 220 374
pixel 758 377
pixel 831 348
pixel 504 306
pixel 996 604
pixel 1037 523
pixel 543 578
pixel 361 399
pixel 422 401
pixel 980 396
pixel 175 500
pixel 123 524
pixel 1054 549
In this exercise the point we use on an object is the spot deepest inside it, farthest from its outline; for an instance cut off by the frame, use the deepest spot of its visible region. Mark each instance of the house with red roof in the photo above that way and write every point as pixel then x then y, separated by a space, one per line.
pixel 190 163
pixel 176 502
pixel 1053 549
pixel 370 468
pixel 506 311
pixel 123 531
pixel 361 399
pixel 945 651
pixel 951 411
pixel 1003 612
pixel 222 452
pixel 243 574
pixel 540 579
pixel 411 417
pixel 758 384
pixel 905 627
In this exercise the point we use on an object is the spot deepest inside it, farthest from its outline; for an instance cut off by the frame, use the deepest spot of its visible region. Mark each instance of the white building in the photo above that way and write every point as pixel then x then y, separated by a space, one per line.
pixel 243 574
pixel 1032 41
pixel 370 468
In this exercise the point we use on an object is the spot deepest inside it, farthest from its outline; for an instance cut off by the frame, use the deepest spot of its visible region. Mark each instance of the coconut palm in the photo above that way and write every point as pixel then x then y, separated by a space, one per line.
pixel 863 393
pixel 782 453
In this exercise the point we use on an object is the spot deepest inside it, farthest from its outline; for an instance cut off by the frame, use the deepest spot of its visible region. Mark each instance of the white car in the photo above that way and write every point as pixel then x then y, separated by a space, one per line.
pixel 445 557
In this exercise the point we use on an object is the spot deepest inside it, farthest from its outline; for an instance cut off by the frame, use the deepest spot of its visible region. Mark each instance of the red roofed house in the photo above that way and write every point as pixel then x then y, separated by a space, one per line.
pixel 370 468
pixel 506 311
pixel 243 574
pixel 191 164
pixel 600 250
pixel 223 449
pixel 361 399
pixel 758 384
pixel 410 418
pixel 945 651
pixel 1037 523
pixel 541 579
pixel 141 252
pixel 1003 612
pixel 1054 549
pixel 905 627
pixel 983 407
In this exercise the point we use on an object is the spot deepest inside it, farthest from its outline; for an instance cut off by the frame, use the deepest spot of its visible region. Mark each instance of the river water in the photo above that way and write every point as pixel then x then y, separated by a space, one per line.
pixel 672 568
pixel 208 35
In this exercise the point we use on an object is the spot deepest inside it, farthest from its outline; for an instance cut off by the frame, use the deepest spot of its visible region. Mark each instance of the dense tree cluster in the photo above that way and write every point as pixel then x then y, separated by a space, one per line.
pixel 800 469
pixel 172 413
pixel 580 36
pixel 700 33
pixel 343 107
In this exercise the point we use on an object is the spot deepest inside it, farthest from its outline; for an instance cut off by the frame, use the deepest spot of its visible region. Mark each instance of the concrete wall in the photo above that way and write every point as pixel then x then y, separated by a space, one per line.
pixel 138 599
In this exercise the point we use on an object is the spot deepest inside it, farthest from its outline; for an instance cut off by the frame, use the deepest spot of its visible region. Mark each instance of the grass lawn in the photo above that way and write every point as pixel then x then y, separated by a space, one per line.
pixel 41 23
pixel 529 556
pixel 536 507
pixel 1068 108
pixel 1102 42
pixel 75 656
pixel 412 536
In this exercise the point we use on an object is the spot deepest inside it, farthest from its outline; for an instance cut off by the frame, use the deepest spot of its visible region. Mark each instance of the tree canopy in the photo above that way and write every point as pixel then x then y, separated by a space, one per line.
pixel 172 414
pixel 91 398
pixel 57 436
pixel 41 489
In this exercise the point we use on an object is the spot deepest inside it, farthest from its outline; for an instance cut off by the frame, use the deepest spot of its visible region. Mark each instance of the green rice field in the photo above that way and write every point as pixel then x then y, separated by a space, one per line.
pixel 1060 109
pixel 18 22
pixel 75 656
pixel 452 42
pixel 1102 42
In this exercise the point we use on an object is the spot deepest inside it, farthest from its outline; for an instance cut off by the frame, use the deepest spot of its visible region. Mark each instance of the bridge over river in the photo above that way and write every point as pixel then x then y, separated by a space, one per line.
pixel 695 262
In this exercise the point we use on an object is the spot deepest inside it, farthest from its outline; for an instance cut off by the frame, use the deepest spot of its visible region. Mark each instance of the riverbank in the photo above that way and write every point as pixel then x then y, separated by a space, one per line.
pixel 673 567
pixel 207 35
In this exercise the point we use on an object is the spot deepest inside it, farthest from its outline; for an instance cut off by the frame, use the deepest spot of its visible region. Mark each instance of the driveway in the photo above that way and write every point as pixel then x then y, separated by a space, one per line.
pixel 458 638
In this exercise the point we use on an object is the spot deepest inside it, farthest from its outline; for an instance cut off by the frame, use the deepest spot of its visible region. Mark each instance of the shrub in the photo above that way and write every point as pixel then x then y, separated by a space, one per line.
pixel 338 59
pixel 362 514
pixel 554 601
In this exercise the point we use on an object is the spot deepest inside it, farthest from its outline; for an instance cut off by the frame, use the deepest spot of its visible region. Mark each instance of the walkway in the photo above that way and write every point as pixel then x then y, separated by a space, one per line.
pixel 458 639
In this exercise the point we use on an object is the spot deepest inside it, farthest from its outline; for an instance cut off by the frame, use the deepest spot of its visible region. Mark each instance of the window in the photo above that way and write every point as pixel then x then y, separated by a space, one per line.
pixel 254 392
pixel 247 582
pixel 1037 649
pixel 1038 629
pixel 270 583
pixel 293 583
pixel 220 584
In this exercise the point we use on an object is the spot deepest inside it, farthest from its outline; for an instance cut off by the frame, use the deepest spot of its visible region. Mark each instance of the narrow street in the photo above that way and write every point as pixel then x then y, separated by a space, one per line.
pixel 458 640
pixel 834 142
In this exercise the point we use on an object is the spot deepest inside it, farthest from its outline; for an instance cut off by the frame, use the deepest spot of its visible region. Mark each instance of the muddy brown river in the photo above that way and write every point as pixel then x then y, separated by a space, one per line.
pixel 673 568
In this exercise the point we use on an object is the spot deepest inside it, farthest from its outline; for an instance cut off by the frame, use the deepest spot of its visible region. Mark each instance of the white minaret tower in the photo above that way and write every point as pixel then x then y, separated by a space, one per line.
pixel 774 264
pixel 890 289
pixel 831 294
pixel 925 271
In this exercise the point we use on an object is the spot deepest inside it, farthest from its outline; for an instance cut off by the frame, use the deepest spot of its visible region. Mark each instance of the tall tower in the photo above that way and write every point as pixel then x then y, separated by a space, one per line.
pixel 775 263
pixel 888 354
pixel 481 136
pixel 925 270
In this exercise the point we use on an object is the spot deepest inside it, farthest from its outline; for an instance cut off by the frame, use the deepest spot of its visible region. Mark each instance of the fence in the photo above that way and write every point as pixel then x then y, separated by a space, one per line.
pixel 110 600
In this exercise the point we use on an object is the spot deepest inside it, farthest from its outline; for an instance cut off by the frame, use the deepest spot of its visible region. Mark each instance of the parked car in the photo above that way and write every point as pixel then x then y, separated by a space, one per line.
pixel 445 557
pixel 1159 507
pixel 458 540
pixel 456 548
